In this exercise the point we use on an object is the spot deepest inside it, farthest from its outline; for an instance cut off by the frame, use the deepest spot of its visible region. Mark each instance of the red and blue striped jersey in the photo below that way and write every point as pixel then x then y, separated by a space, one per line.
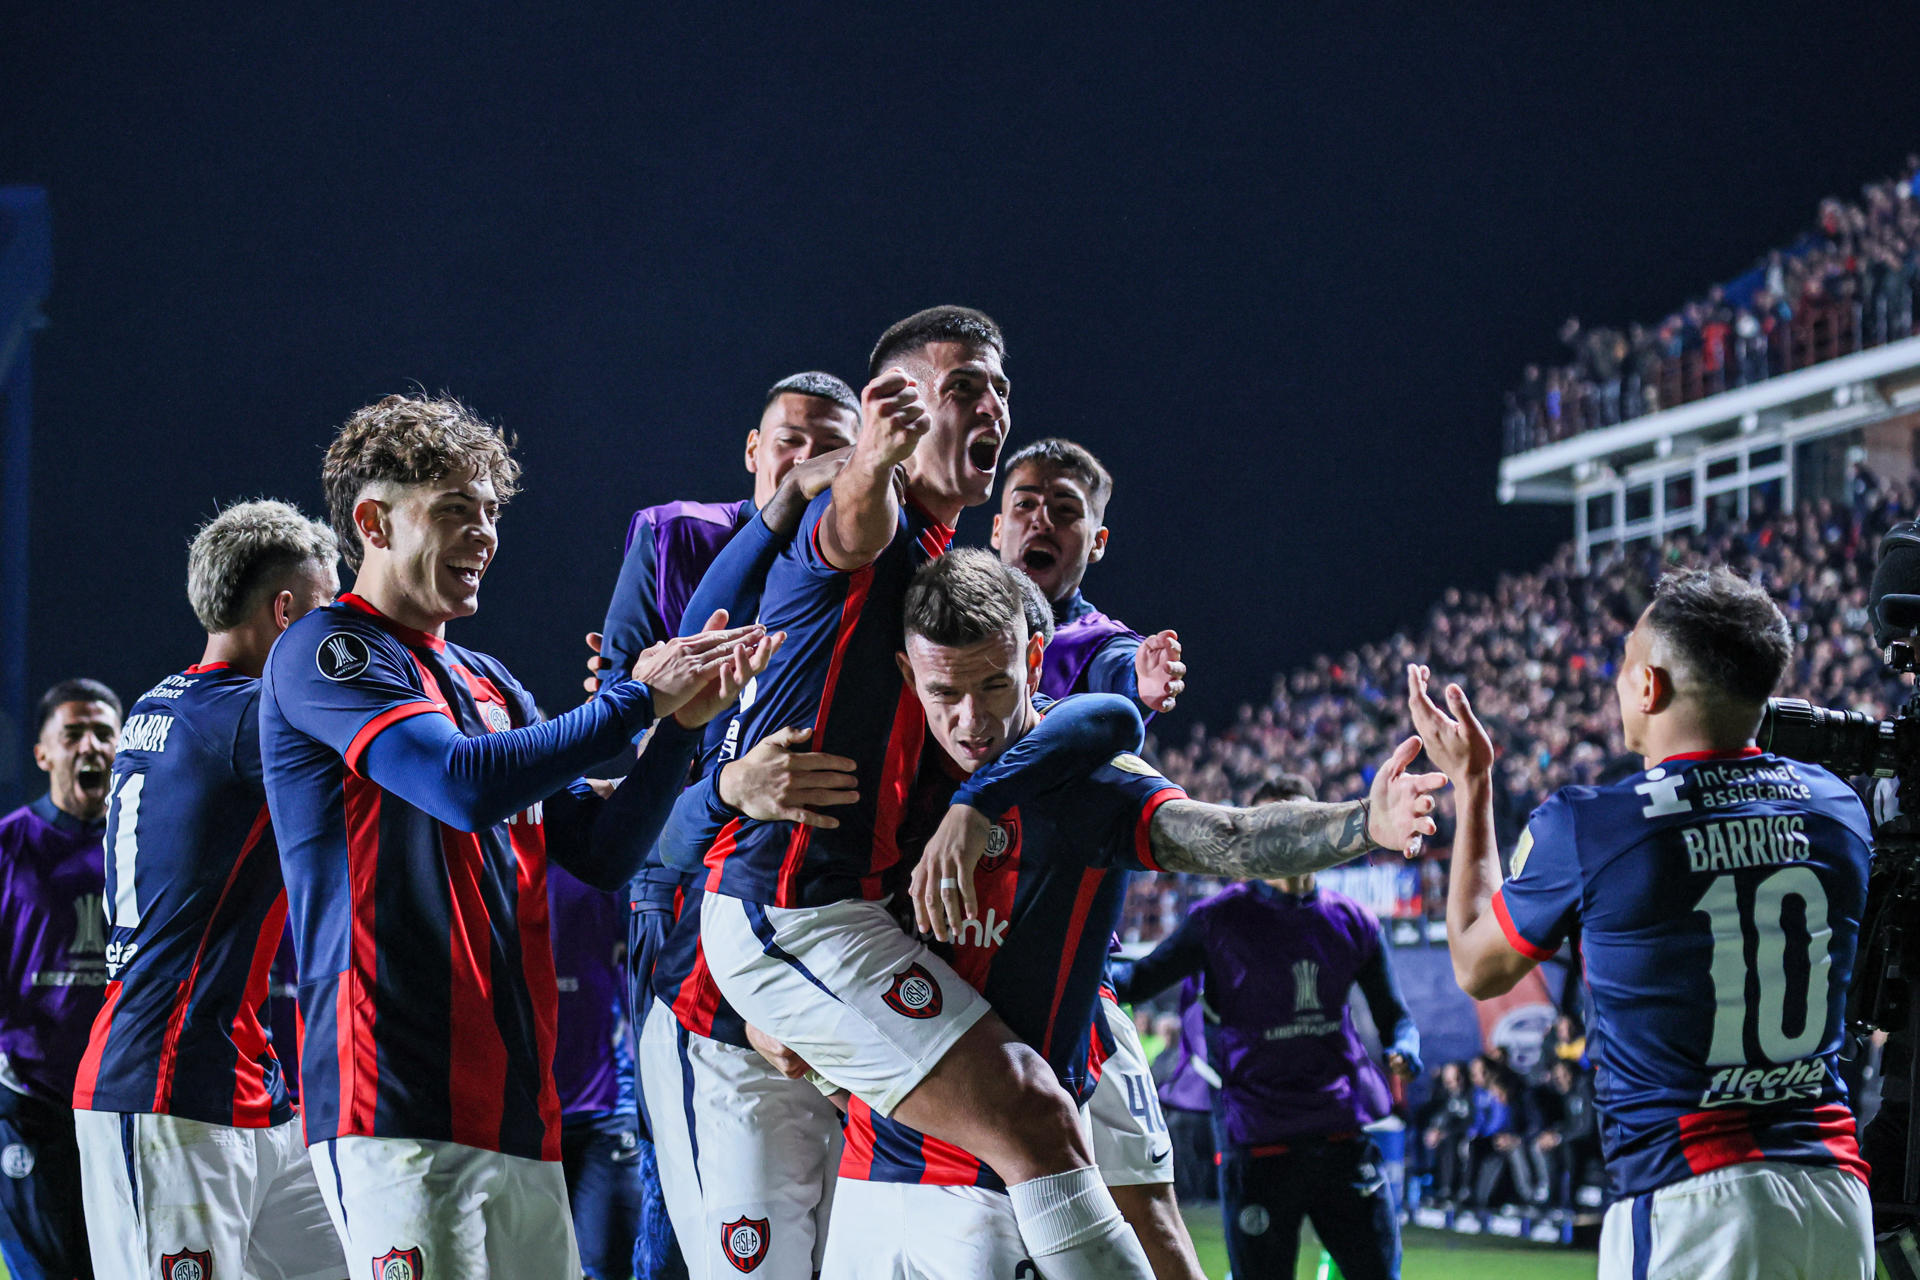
pixel 1718 900
pixel 835 672
pixel 427 988
pixel 196 908
pixel 1049 889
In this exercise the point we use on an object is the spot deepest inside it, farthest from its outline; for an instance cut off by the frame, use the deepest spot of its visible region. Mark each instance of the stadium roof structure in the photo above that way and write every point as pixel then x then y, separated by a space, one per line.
pixel 1712 459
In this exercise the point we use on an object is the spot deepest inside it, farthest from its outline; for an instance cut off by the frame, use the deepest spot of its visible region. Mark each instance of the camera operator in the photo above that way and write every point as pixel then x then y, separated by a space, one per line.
pixel 1718 895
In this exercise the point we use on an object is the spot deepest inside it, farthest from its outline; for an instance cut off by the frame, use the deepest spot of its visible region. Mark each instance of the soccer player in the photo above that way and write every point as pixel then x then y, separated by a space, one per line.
pixel 1297 1087
pixel 52 971
pixel 671 549
pixel 1044 860
pixel 1051 526
pixel 188 1144
pixel 416 797
pixel 1718 896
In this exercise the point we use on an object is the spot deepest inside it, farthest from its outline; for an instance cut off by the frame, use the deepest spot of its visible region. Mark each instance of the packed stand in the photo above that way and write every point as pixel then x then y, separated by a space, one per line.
pixel 1845 284
pixel 1539 656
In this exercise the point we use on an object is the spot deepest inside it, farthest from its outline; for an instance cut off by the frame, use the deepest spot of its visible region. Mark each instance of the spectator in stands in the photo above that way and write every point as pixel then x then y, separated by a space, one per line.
pixel 1443 1124
pixel 1565 1141
pixel 1297 1087
pixel 1496 1137
pixel 1846 284
pixel 1566 1042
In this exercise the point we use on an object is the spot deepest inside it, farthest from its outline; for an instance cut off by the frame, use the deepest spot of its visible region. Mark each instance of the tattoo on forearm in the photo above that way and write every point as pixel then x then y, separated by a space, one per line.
pixel 1257 844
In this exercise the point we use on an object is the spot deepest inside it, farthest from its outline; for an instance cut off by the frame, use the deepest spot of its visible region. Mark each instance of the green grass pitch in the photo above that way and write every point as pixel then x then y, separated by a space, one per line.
pixel 1428 1255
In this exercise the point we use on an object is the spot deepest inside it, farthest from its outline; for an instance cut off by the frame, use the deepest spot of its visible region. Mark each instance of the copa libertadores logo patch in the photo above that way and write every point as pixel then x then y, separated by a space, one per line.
pixel 342 656
pixel 399 1264
pixel 188 1264
pixel 915 994
pixel 745 1241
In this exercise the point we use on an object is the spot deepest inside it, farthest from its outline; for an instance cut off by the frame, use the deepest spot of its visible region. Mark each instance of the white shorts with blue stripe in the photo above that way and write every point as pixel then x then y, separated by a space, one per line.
pixel 867 1005
pixel 1766 1219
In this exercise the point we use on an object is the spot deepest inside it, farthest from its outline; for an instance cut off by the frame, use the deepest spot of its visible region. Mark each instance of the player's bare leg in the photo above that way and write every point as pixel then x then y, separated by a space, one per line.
pixel 994 1097
pixel 1153 1213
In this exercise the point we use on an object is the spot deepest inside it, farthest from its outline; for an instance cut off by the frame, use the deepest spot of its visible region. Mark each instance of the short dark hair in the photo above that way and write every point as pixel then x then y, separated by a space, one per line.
pixel 965 597
pixel 814 383
pixel 410 440
pixel 1726 630
pixel 1075 460
pixel 1038 609
pixel 935 324
pixel 76 690
pixel 1285 786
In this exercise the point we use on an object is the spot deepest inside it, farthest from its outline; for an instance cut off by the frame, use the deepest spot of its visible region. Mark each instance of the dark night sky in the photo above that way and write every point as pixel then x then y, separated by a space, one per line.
pixel 1275 266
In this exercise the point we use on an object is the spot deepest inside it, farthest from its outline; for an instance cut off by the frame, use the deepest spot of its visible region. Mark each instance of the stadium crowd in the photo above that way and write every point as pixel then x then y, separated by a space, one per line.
pixel 1541 650
pixel 1845 283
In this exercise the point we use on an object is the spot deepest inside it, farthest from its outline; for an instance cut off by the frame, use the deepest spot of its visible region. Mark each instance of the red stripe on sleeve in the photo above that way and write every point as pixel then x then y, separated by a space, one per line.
pixel 88 1077
pixel 1515 938
pixel 1070 948
pixel 1143 828
pixel 372 728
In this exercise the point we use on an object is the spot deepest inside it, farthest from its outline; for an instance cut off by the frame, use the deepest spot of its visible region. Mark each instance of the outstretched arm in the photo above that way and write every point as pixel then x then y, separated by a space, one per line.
pixel 1485 963
pixel 1298 838
pixel 865 509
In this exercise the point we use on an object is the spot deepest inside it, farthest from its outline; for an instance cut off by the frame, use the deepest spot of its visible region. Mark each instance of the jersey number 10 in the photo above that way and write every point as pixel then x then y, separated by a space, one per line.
pixel 1769 977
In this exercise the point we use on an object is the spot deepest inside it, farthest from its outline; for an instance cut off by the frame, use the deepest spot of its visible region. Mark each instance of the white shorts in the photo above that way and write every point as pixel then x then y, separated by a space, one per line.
pixel 748 1158
pixel 181 1199
pixel 1130 1142
pixel 898 1231
pixel 414 1209
pixel 867 1005
pixel 1781 1221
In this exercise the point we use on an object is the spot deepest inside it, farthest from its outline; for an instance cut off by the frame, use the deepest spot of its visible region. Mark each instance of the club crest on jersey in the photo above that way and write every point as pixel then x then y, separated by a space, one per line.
pixel 399 1264
pixel 1002 838
pixel 342 656
pixel 744 1241
pixel 497 718
pixel 188 1264
pixel 16 1160
pixel 915 994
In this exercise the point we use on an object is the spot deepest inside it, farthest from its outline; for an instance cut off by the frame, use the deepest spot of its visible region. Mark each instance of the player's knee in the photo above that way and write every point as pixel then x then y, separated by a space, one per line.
pixel 1043 1122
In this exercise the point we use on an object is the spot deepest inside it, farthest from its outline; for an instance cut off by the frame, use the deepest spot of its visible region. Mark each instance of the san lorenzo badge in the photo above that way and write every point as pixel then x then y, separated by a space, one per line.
pixel 188 1264
pixel 399 1264
pixel 744 1241
pixel 915 994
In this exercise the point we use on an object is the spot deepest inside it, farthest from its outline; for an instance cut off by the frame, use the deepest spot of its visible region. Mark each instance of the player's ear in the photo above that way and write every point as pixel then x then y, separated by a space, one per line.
pixel 370 520
pixel 1036 659
pixel 282 611
pixel 41 758
pixel 906 668
pixel 1099 545
pixel 993 539
pixel 753 443
pixel 1658 689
